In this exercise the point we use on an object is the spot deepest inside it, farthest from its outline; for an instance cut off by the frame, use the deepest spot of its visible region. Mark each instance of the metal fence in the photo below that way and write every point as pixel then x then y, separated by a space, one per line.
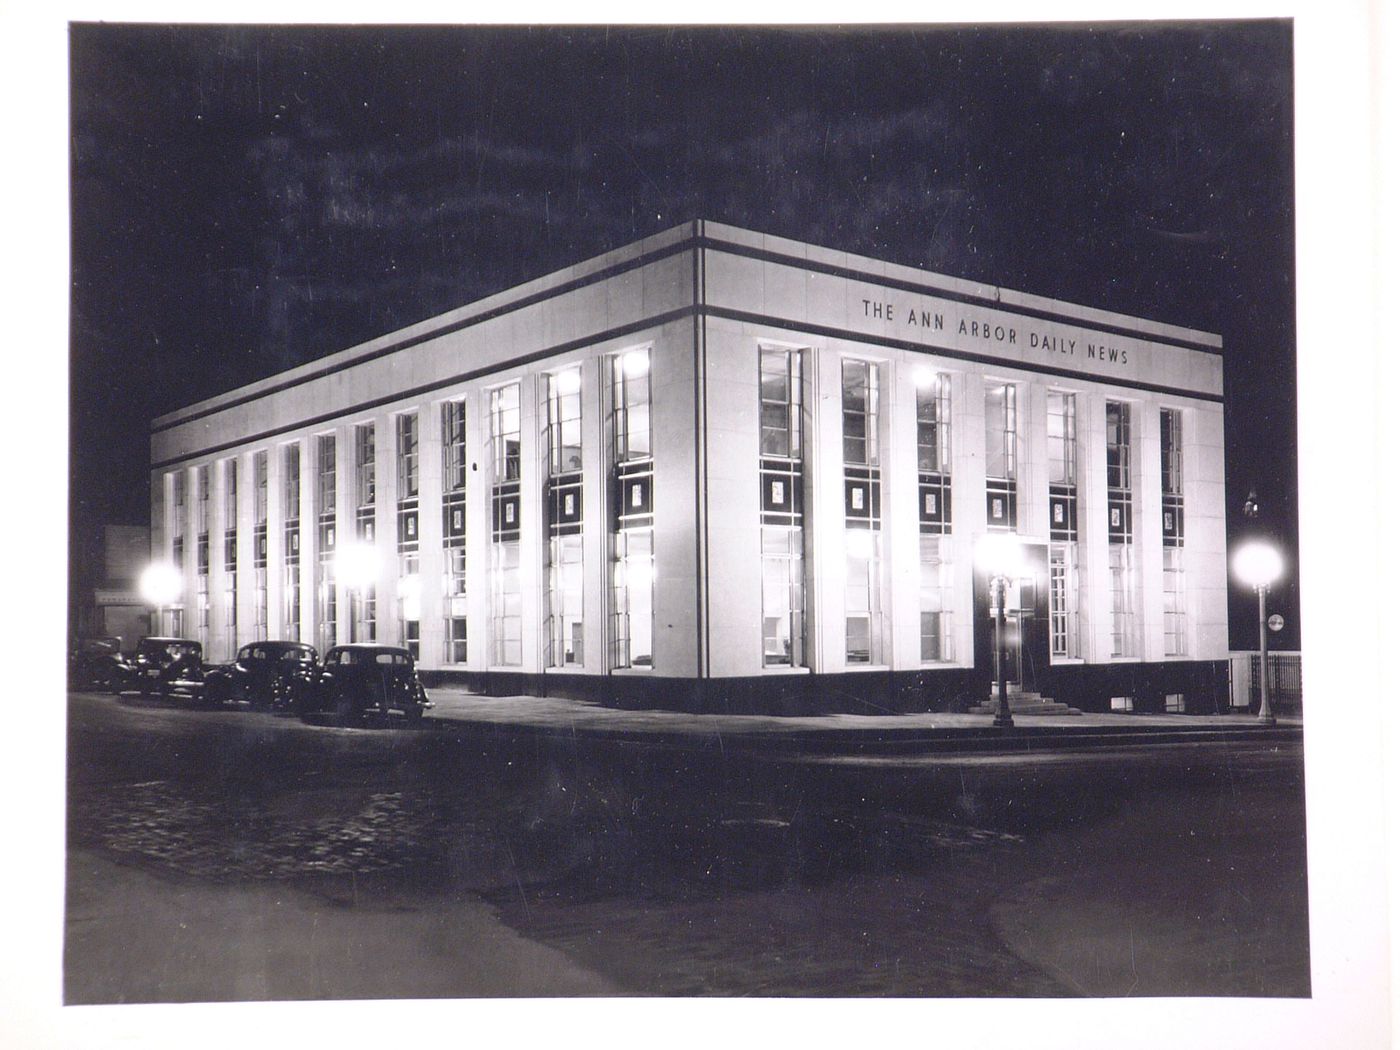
pixel 1285 680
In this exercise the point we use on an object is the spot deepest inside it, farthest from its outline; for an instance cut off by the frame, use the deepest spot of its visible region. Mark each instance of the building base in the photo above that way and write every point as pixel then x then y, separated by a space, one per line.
pixel 1142 688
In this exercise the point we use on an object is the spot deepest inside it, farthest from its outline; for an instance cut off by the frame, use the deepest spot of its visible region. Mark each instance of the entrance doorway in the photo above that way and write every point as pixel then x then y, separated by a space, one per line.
pixel 1026 637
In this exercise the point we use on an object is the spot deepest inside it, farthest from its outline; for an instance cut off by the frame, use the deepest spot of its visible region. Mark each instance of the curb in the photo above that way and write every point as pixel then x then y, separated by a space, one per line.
pixel 887 741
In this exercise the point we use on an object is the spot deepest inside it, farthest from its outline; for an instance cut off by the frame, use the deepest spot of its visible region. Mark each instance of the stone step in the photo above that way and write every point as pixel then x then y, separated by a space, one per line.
pixel 1026 704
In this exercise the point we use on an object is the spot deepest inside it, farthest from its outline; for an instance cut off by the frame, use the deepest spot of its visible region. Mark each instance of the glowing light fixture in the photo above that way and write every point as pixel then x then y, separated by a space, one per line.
pixel 161 583
pixel 356 565
pixel 1258 564
pixel 636 364
pixel 567 382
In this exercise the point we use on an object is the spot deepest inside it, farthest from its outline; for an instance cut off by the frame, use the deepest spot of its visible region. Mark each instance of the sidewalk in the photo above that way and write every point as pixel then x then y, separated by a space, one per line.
pixel 924 731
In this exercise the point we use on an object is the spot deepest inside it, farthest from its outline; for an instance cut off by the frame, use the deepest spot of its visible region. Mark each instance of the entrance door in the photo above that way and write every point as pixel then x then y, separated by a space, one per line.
pixel 1011 649
pixel 1026 638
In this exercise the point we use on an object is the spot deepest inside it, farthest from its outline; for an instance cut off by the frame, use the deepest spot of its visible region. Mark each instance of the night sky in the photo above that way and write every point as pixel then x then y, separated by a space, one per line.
pixel 245 199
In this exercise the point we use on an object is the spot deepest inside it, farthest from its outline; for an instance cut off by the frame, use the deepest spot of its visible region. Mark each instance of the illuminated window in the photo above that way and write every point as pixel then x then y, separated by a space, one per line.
pixel 633 553
pixel 860 414
pixel 1062 461
pixel 1064 600
pixel 325 541
pixel 1121 562
pixel 1002 458
pixel 454 530
pixel 933 416
pixel 782 538
pixel 406 461
pixel 564 518
pixel 933 421
pixel 260 545
pixel 506 614
pixel 935 599
pixel 291 541
pixel 363 621
pixel 1173 536
pixel 231 547
pixel 177 520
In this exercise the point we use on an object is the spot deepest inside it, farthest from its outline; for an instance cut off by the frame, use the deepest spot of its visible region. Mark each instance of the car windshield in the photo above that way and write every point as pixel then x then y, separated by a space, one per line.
pixel 298 656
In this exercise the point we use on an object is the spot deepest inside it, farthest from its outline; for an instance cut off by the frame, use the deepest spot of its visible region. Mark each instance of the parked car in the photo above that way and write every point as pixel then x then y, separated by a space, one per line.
pixel 364 677
pixel 167 667
pixel 266 674
pixel 96 663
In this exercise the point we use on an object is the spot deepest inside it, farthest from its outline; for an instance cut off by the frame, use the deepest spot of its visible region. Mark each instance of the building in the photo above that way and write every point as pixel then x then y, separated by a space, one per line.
pixel 720 470
pixel 107 565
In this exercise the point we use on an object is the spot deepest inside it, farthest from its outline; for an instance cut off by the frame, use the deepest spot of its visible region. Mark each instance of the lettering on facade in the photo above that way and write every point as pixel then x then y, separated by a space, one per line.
pixel 983 330
pixel 992 332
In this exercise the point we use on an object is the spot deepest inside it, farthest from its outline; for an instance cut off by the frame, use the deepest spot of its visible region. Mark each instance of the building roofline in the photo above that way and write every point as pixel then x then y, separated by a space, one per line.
pixel 696 235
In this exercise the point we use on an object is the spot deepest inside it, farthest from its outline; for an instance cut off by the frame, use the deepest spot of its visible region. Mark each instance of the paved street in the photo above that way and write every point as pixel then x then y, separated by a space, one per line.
pixel 218 855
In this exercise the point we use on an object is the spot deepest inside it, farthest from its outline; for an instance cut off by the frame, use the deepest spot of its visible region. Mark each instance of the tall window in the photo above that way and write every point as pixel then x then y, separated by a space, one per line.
pixel 454 531
pixel 260 544
pixel 177 520
pixel 363 625
pixel 564 519
pixel 1062 460
pixel 201 518
pixel 782 540
pixel 933 418
pixel 176 619
pixel 860 415
pixel 1173 535
pixel 291 541
pixel 633 550
pixel 325 541
pixel 1121 565
pixel 231 549
pixel 1002 465
pixel 406 462
pixel 506 618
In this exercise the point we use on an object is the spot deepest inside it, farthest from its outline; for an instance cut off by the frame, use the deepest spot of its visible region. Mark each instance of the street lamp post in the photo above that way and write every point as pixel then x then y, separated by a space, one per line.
pixel 1000 555
pixel 1259 565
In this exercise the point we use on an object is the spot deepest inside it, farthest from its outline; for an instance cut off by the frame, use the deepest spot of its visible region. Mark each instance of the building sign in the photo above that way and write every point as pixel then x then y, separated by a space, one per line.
pixel 994 328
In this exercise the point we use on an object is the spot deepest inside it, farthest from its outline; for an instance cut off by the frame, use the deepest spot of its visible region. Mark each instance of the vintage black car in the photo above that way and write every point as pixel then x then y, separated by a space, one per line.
pixel 362 678
pixel 266 674
pixel 167 667
pixel 97 663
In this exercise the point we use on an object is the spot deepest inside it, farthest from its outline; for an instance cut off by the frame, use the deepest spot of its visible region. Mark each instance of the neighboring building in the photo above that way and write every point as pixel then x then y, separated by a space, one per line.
pixel 727 471
pixel 109 605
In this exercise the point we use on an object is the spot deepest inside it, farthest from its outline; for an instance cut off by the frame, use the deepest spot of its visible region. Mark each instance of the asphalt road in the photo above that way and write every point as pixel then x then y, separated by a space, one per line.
pixel 234 855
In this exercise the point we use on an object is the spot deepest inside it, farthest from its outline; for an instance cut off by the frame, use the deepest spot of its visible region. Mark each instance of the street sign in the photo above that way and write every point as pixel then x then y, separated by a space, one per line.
pixel 1275 622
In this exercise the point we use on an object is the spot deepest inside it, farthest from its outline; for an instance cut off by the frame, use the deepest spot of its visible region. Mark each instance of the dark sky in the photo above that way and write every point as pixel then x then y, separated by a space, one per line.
pixel 247 198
